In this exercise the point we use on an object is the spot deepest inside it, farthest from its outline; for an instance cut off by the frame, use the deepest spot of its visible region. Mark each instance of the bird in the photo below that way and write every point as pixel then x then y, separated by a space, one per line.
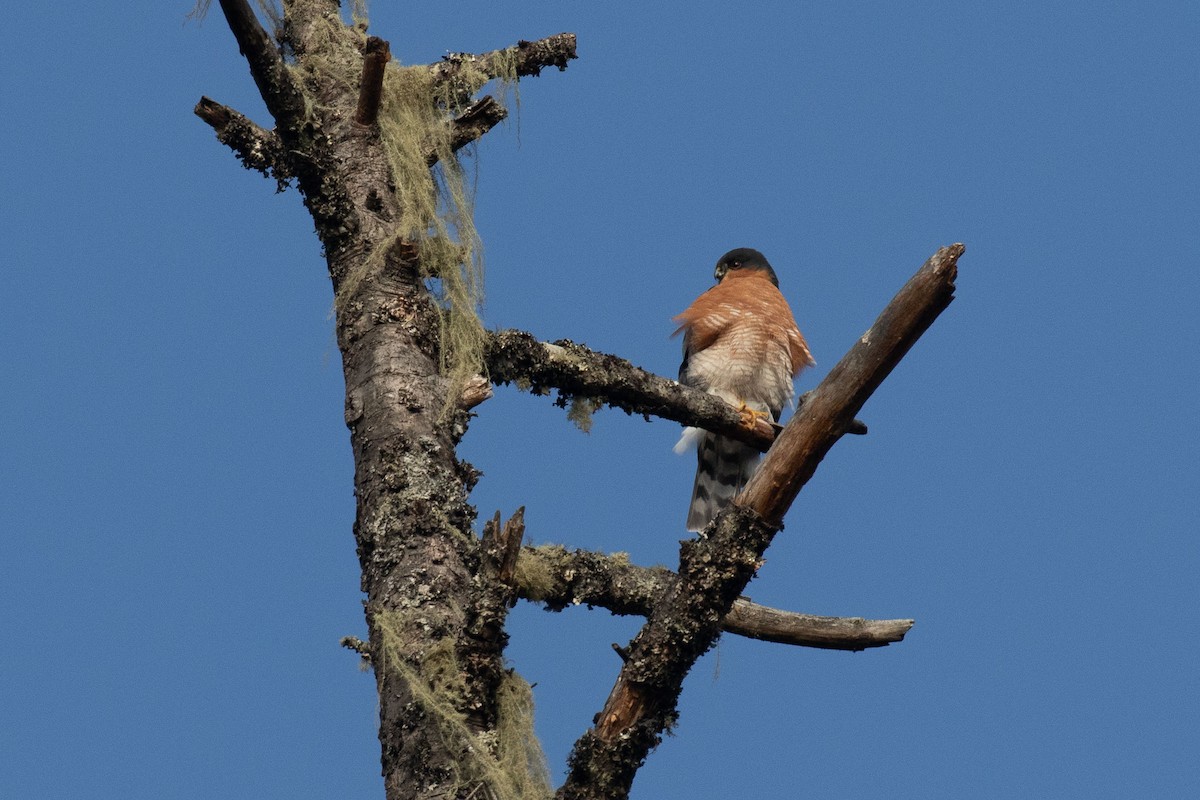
pixel 740 343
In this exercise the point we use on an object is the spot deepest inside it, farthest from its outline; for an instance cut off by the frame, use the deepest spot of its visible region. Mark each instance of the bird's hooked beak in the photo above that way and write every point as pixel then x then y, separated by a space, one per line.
pixel 720 271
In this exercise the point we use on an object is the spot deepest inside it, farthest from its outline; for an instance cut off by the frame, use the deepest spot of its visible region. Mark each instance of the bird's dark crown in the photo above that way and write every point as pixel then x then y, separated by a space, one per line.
pixel 744 258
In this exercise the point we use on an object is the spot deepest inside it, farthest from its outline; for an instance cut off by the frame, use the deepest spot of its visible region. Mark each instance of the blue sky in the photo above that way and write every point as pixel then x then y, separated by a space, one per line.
pixel 176 561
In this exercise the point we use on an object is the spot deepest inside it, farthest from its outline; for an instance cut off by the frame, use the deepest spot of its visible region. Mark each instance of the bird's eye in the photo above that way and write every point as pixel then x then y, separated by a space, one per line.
pixel 736 265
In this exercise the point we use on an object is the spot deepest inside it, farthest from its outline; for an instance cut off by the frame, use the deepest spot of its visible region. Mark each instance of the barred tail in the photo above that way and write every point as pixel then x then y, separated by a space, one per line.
pixel 723 467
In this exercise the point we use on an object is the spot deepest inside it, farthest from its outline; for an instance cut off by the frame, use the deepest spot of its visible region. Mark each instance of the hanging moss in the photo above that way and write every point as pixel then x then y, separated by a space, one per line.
pixel 518 752
pixel 581 410
pixel 508 759
pixel 437 209
pixel 436 212
pixel 437 215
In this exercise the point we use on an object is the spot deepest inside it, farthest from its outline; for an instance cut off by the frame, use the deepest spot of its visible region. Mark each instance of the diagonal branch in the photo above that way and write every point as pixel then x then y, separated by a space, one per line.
pixel 715 567
pixel 256 147
pixel 465 73
pixel 476 120
pixel 517 357
pixel 306 143
pixel 559 578
pixel 283 99
pixel 823 419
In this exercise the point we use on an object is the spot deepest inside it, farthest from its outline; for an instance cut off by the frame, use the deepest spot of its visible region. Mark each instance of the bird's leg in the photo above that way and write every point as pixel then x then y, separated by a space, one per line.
pixel 751 416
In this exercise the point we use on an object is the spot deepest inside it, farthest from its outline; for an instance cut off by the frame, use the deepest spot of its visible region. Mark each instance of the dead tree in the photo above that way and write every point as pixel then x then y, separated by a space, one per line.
pixel 372 148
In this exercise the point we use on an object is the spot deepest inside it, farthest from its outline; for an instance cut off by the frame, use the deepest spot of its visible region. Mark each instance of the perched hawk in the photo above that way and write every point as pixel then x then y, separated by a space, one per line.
pixel 741 343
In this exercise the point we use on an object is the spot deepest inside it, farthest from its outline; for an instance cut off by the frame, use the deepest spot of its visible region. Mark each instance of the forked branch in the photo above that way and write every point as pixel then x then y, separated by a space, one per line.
pixel 715 567
pixel 560 578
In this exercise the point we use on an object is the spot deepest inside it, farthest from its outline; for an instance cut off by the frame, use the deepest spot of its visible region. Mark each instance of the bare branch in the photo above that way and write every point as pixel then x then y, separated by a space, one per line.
pixel 479 118
pixel 824 418
pixel 828 633
pixel 560 578
pixel 517 357
pixel 715 567
pixel 476 391
pixel 255 146
pixel 284 100
pixel 476 120
pixel 468 72
pixel 533 57
pixel 370 89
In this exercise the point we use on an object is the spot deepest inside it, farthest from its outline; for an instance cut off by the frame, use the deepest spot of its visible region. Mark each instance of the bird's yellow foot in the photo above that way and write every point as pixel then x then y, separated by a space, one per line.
pixel 751 416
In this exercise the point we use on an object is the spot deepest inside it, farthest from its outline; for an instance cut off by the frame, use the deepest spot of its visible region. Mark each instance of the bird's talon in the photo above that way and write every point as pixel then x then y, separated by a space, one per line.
pixel 751 416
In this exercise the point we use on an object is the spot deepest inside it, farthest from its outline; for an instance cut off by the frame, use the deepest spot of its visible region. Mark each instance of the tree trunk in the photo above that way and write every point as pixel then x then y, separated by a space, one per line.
pixel 448 710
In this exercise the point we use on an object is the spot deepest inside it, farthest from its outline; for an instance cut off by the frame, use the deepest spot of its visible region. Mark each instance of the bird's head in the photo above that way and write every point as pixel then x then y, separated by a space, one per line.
pixel 743 260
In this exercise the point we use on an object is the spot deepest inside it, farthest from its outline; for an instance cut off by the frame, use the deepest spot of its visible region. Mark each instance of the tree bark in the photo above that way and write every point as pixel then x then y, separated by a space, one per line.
pixel 258 149
pixel 558 578
pixel 413 524
pixel 579 373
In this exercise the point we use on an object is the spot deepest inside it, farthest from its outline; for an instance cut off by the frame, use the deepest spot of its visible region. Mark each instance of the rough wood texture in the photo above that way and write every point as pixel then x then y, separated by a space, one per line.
pixel 492 595
pixel 560 578
pixel 808 630
pixel 257 148
pixel 283 98
pixel 575 371
pixel 473 123
pixel 370 90
pixel 465 73
pixel 831 407
pixel 475 392
pixel 307 154
pixel 715 567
